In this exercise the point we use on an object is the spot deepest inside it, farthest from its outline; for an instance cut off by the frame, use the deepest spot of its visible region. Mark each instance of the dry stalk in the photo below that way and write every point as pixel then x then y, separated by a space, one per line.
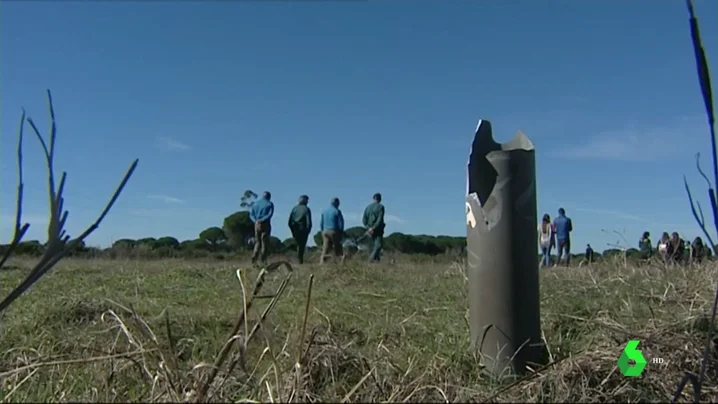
pixel 262 317
pixel 167 367
pixel 6 399
pixel 300 349
pixel 203 387
pixel 71 362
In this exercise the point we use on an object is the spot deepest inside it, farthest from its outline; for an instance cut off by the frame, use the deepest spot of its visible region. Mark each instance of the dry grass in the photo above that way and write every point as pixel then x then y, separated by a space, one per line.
pixel 153 331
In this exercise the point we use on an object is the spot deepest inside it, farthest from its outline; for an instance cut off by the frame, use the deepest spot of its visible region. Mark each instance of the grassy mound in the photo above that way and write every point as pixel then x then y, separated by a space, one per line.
pixel 153 331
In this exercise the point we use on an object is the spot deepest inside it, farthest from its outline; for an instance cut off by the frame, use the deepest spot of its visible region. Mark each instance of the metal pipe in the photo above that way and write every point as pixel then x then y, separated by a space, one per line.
pixel 502 242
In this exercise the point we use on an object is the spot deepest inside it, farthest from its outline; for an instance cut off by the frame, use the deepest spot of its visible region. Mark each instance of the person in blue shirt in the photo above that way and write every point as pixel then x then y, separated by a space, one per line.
pixel 589 254
pixel 261 215
pixel 332 228
pixel 563 228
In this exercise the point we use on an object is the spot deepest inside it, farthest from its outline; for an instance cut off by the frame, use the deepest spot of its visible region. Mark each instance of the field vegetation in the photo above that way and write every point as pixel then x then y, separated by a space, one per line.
pixel 153 330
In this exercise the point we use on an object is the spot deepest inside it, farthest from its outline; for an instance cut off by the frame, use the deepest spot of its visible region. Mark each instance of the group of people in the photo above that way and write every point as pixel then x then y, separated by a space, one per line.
pixel 555 234
pixel 673 249
pixel 670 248
pixel 331 226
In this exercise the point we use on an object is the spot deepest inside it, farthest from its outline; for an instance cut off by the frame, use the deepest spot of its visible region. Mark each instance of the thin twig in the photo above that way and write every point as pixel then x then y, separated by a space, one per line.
pixel 19 230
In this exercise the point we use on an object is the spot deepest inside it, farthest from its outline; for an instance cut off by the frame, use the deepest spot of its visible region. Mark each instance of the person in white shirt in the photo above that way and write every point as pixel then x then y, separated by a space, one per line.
pixel 662 246
pixel 546 240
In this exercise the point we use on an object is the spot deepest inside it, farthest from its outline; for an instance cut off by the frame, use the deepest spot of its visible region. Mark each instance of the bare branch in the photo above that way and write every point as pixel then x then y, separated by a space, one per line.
pixel 706 91
pixel 19 230
pixel 112 201
pixel 52 230
pixel 700 171
pixel 698 215
pixel 20 182
pixel 53 127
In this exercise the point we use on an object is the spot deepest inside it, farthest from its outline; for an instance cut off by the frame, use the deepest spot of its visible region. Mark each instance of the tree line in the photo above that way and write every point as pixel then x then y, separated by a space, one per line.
pixel 236 235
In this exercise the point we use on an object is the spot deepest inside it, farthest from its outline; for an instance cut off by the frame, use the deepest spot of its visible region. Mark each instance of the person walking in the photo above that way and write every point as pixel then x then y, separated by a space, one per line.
pixel 332 227
pixel 589 254
pixel 373 220
pixel 545 232
pixel 698 251
pixel 563 228
pixel 300 224
pixel 261 215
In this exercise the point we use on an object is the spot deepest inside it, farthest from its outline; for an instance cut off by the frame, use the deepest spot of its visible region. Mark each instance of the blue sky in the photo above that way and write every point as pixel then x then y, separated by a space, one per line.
pixel 348 98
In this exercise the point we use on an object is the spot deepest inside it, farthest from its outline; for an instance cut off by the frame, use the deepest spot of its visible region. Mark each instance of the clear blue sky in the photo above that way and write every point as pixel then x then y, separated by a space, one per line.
pixel 348 98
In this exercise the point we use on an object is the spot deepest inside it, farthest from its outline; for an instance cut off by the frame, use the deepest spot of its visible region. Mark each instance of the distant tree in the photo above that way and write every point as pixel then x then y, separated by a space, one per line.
pixel 124 243
pixel 214 236
pixel 289 244
pixel 632 253
pixel 167 242
pixel 191 245
pixel 30 247
pixel 78 250
pixel 148 242
pixel 238 229
pixel 275 244
pixel 353 234
pixel 247 199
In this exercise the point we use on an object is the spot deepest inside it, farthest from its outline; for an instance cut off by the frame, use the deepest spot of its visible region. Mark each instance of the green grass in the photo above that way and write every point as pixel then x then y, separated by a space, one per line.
pixel 393 332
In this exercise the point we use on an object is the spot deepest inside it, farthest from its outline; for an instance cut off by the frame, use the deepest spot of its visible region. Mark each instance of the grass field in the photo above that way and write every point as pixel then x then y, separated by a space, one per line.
pixel 151 331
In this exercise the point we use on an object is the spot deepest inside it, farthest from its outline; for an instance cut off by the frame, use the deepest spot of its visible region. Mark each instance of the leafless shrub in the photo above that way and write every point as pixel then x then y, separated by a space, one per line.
pixel 59 244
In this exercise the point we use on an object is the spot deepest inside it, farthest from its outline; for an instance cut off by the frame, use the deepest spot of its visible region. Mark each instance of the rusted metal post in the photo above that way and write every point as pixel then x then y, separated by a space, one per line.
pixel 502 252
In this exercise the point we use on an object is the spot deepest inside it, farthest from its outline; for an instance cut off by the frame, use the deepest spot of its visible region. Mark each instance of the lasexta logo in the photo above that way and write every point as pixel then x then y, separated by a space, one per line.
pixel 631 353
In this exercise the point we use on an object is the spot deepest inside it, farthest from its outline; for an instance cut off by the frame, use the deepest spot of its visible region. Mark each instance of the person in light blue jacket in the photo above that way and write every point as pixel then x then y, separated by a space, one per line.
pixel 332 228
pixel 261 215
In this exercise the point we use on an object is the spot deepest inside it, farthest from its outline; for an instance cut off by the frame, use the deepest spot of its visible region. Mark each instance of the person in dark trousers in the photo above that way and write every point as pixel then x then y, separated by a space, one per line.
pixel 698 250
pixel 676 248
pixel 589 253
pixel 332 227
pixel 261 215
pixel 645 246
pixel 563 228
pixel 373 220
pixel 300 224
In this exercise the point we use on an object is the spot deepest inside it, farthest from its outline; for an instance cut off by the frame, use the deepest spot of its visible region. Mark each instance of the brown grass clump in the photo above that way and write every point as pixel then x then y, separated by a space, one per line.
pixel 192 331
